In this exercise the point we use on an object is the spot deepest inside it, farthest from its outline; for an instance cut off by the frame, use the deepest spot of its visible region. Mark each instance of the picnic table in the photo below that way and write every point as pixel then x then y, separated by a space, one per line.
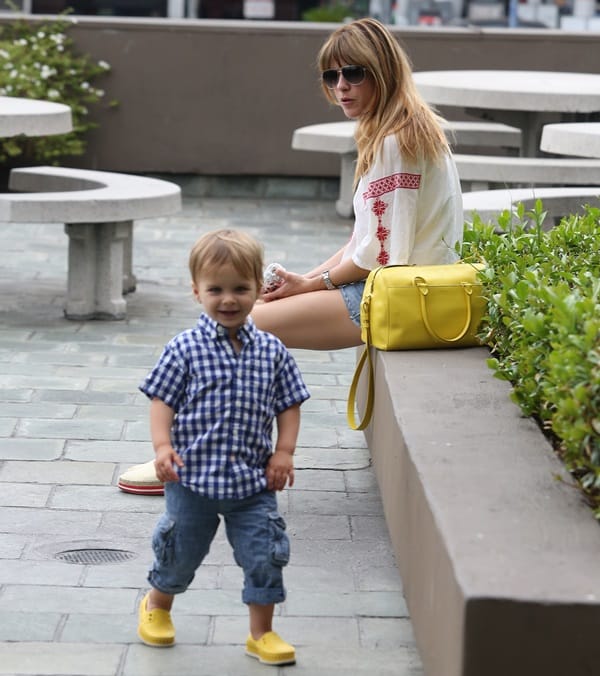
pixel 97 209
pixel 521 98
pixel 581 139
pixel 33 117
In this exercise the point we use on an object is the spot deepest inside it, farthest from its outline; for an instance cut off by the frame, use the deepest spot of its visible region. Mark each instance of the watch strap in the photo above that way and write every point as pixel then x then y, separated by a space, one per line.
pixel 327 280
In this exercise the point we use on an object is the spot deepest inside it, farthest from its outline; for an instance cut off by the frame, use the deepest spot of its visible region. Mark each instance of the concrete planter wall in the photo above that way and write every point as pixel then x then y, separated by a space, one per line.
pixel 499 559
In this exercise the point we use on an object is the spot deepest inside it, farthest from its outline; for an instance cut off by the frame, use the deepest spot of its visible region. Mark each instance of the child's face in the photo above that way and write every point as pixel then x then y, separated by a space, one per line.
pixel 226 296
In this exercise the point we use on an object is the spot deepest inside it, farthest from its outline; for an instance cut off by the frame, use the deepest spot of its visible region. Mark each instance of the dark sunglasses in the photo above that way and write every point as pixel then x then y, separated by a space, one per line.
pixel 353 75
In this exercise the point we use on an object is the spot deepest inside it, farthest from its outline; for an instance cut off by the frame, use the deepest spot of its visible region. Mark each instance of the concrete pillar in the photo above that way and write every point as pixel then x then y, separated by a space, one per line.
pixel 176 9
pixel 95 279
pixel 129 279
pixel 344 206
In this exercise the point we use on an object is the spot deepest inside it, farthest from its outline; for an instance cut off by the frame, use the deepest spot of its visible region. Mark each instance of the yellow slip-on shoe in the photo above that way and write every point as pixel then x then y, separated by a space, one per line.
pixel 270 648
pixel 155 627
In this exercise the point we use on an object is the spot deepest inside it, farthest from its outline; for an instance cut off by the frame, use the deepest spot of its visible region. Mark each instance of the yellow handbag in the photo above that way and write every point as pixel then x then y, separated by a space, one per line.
pixel 416 307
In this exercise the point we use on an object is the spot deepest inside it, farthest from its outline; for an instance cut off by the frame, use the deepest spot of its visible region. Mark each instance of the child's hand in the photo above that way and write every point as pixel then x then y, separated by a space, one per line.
pixel 166 459
pixel 280 470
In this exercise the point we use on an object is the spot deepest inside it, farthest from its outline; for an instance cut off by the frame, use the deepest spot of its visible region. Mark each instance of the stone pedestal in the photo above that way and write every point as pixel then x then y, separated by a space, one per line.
pixel 96 270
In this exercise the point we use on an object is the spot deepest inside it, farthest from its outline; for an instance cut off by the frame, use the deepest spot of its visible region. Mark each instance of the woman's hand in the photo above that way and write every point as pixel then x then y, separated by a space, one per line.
pixel 292 284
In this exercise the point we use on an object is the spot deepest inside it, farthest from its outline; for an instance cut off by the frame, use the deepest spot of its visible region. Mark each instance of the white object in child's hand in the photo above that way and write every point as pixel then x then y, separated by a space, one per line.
pixel 271 279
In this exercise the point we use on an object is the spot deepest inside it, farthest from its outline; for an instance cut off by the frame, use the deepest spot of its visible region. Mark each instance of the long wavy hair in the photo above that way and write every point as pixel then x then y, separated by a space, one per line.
pixel 397 107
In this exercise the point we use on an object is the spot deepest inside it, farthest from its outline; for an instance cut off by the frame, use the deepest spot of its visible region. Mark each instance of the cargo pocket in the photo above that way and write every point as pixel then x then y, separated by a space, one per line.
pixel 163 541
pixel 280 544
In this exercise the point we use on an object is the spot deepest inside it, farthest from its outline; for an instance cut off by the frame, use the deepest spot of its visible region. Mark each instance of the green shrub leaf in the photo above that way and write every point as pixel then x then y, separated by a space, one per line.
pixel 543 325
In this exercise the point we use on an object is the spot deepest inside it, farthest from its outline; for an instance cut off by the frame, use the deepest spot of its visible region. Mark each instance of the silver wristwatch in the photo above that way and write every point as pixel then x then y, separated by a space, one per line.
pixel 327 280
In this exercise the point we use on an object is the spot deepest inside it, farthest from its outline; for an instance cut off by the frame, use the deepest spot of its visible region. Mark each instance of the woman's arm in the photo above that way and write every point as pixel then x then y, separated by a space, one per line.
pixel 342 272
pixel 390 211
pixel 345 272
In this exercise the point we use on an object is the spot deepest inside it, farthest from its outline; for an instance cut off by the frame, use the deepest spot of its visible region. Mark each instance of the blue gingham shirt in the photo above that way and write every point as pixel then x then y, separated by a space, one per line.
pixel 225 404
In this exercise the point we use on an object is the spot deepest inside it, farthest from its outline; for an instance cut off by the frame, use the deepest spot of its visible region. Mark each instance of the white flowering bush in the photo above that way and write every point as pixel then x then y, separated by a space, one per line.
pixel 37 61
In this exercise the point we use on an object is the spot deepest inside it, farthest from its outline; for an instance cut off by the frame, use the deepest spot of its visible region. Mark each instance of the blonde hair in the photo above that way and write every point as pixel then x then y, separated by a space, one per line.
pixel 397 108
pixel 219 247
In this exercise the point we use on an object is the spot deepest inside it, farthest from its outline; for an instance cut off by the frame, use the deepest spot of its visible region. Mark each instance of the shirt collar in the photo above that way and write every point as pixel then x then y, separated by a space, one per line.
pixel 215 331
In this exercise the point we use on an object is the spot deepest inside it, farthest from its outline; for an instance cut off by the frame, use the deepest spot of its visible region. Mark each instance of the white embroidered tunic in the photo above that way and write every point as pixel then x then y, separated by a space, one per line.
pixel 406 212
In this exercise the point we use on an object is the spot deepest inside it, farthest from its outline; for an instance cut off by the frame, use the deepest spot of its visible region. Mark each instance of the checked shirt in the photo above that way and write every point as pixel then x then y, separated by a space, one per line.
pixel 225 404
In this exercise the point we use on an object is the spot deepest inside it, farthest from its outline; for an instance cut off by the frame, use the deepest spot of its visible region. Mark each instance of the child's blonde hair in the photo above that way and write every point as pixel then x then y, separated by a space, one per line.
pixel 219 247
pixel 398 108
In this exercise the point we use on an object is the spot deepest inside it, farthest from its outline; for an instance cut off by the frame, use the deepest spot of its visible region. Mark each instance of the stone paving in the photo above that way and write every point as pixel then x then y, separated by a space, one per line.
pixel 72 419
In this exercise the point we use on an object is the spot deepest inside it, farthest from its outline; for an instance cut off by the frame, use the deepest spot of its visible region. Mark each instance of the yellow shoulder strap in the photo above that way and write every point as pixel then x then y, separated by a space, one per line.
pixel 351 406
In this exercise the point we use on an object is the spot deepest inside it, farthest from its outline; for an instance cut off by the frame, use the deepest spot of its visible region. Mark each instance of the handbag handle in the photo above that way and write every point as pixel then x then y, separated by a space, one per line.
pixel 365 356
pixel 421 285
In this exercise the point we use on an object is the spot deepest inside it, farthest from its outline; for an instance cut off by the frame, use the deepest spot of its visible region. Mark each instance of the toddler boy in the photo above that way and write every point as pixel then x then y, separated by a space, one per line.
pixel 215 393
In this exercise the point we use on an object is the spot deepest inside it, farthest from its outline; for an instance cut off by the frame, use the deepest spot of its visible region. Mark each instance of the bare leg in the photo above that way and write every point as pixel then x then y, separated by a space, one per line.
pixel 158 599
pixel 261 619
pixel 263 643
pixel 312 321
pixel 155 627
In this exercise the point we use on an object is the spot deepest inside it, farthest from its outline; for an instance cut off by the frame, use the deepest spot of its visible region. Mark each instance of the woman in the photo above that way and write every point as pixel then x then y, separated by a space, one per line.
pixel 407 203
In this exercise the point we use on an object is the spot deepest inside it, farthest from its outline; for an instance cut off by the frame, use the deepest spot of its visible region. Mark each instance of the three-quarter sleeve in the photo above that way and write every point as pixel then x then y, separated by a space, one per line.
pixel 406 211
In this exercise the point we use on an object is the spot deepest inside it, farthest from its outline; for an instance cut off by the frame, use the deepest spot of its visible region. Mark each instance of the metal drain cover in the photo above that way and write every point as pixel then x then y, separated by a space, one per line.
pixel 95 557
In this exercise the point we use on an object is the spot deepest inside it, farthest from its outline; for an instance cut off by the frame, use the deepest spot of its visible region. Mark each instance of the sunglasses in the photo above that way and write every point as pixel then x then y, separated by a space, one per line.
pixel 354 75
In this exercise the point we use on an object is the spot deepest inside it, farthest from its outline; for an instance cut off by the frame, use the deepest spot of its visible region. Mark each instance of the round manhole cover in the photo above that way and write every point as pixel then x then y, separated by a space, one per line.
pixel 95 557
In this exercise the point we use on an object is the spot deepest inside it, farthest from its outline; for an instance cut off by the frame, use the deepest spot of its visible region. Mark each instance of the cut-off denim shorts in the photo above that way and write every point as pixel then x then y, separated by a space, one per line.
pixel 254 528
pixel 352 295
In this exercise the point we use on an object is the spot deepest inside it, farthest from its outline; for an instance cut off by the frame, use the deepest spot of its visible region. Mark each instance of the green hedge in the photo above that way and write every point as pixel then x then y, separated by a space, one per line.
pixel 543 326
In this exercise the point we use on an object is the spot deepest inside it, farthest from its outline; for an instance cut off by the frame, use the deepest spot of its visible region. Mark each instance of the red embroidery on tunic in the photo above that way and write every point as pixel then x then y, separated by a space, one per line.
pixel 383 258
pixel 378 188
pixel 382 233
pixel 393 182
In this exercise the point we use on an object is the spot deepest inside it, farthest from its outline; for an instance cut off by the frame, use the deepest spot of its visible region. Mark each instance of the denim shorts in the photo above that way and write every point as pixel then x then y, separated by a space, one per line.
pixel 254 528
pixel 352 295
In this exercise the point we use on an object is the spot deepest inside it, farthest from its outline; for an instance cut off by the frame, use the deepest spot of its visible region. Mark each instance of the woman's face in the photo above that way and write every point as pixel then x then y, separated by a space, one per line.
pixel 354 99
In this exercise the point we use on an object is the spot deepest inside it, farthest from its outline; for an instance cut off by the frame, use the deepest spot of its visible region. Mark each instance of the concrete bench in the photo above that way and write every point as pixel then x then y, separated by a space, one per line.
pixel 499 560
pixel 333 137
pixel 480 172
pixel 98 209
pixel 559 202
pixel 338 137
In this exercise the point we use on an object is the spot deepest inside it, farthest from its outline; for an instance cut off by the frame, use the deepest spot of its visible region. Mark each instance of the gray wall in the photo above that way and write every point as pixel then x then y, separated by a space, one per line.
pixel 223 97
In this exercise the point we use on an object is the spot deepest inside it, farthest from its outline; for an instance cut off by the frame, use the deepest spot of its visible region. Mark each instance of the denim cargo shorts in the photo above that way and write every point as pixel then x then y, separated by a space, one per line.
pixel 254 528
pixel 352 294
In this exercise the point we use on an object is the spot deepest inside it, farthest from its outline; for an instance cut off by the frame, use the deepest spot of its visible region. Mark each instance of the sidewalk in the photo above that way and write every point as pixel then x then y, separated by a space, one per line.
pixel 72 419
